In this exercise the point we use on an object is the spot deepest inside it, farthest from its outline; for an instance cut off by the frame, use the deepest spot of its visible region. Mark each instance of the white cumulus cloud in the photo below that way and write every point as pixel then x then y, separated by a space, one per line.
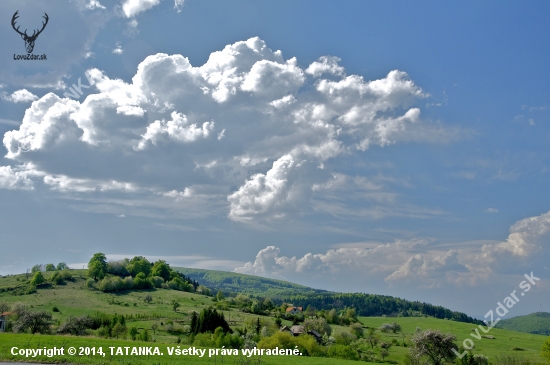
pixel 19 96
pixel 132 8
pixel 271 126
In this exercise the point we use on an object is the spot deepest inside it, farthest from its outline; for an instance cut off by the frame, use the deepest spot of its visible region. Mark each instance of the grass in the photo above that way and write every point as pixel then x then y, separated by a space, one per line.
pixel 7 341
pixel 74 299
pixel 502 345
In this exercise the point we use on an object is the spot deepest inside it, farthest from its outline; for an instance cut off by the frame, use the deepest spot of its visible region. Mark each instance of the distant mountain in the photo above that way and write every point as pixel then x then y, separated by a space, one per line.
pixel 536 323
pixel 283 291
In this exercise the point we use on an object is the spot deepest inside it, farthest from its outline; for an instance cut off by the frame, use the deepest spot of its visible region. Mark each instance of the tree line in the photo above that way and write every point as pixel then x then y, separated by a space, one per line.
pixel 135 273
pixel 370 305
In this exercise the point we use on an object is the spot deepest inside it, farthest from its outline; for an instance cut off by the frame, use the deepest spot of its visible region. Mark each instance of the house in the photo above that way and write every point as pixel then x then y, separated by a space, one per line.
pixel 299 330
pixel 294 310
pixel 4 320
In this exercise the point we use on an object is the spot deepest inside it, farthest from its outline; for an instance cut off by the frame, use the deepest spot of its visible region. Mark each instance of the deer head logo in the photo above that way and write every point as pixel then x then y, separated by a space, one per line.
pixel 29 39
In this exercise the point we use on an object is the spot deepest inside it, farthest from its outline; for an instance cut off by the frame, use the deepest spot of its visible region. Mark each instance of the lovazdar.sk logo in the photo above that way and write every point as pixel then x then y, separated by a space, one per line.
pixel 29 39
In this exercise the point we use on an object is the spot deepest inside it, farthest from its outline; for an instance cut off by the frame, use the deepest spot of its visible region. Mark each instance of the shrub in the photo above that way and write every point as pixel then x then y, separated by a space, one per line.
pixel 119 330
pixel 157 281
pixel 141 282
pixel 37 279
pixel 343 336
pixel 128 283
pixel 133 333
pixel 61 277
pixel 76 326
pixel 386 327
pixel 204 340
pixel 357 329
pixel 178 284
pixel 112 284
pixel 90 283
pixel 318 324
pixel 342 352
pixel 118 268
pixel 35 322
pixel 481 360
pixel 145 336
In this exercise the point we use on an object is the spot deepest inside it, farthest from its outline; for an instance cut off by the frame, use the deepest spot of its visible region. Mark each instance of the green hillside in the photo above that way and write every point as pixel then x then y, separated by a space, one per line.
pixel 506 344
pixel 283 291
pixel 167 326
pixel 247 284
pixel 537 323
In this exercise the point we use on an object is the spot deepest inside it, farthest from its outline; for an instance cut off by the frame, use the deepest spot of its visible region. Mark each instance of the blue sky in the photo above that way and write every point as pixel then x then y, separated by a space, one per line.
pixel 384 147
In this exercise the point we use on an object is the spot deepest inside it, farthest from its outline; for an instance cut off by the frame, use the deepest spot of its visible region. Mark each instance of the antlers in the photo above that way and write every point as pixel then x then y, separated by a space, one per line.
pixel 13 19
pixel 34 34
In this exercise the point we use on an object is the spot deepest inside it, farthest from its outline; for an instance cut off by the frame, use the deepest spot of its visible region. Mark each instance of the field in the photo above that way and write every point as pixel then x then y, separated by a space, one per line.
pixel 7 341
pixel 501 346
pixel 73 299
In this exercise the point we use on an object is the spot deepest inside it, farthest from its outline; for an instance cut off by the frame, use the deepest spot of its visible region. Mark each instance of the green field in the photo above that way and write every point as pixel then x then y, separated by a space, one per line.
pixel 73 299
pixel 501 346
pixel 7 341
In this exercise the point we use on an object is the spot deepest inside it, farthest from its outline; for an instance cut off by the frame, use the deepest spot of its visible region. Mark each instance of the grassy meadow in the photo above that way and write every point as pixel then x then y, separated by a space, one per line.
pixel 74 299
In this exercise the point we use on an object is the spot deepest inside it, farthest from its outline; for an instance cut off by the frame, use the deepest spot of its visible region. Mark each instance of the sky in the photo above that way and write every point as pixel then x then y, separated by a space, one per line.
pixel 396 148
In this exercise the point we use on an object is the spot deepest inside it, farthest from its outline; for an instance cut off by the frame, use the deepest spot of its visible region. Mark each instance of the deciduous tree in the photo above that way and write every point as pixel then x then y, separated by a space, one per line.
pixel 37 279
pixel 434 345
pixel 34 322
pixel 97 266
pixel 139 264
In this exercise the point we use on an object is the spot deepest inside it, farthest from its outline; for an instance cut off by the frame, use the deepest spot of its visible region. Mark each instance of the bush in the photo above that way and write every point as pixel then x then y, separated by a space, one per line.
pixel 118 268
pixel 356 329
pixel 386 327
pixel 128 283
pixel 133 333
pixel 178 284
pixel 37 279
pixel 113 284
pixel 307 345
pixel 141 282
pixel 34 322
pixel 76 326
pixel 61 277
pixel 343 336
pixel 481 360
pixel 318 324
pixel 144 336
pixel 119 330
pixel 157 281
pixel 90 283
pixel 204 340
pixel 342 352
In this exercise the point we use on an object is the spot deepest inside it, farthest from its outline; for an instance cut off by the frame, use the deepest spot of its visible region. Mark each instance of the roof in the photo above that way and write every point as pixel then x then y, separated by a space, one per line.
pixel 314 333
pixel 289 309
pixel 297 330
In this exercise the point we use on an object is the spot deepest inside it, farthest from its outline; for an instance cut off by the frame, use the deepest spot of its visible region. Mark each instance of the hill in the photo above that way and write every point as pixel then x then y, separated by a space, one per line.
pixel 167 326
pixel 536 323
pixel 283 291
pixel 247 284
